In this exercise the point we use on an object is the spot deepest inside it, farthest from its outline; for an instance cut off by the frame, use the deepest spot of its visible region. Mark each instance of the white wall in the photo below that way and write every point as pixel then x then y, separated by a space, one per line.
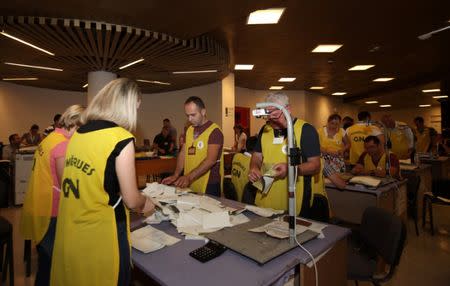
pixel 228 103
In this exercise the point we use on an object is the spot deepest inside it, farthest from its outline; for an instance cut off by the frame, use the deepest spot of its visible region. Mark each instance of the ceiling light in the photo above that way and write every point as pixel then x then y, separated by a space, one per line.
pixel 154 81
pixel 326 48
pixel 431 90
pixel 243 67
pixel 339 93
pixel 267 16
pixel 361 67
pixel 20 78
pixel 371 102
pixel 440 96
pixel 86 85
pixel 199 71
pixel 34 67
pixel 287 79
pixel 316 87
pixel 425 105
pixel 385 105
pixel 276 87
pixel 428 35
pixel 26 43
pixel 383 79
pixel 132 63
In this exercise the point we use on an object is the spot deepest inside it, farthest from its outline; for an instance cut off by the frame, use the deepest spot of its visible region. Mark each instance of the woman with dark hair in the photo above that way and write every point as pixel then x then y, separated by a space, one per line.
pixel 240 139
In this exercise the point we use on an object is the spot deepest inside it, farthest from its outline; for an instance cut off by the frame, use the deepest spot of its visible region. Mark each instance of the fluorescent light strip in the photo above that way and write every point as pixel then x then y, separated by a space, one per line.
pixel 26 43
pixel 86 85
pixel 243 67
pixel 326 48
pixel 361 67
pixel 316 87
pixel 425 105
pixel 153 81
pixel 19 78
pixel 34 67
pixel 431 90
pixel 383 79
pixel 199 71
pixel 385 105
pixel 287 79
pixel 371 102
pixel 339 93
pixel 440 96
pixel 267 16
pixel 276 87
pixel 132 63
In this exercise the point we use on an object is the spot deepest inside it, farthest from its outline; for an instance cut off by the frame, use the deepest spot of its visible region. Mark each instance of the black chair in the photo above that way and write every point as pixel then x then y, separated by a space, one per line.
pixel 440 194
pixel 6 240
pixel 382 235
pixel 413 189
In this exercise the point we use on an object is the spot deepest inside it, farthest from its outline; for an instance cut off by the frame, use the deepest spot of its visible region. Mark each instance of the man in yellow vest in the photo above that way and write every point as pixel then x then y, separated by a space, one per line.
pixel 271 152
pixel 424 135
pixel 201 157
pixel 373 160
pixel 358 132
pixel 400 136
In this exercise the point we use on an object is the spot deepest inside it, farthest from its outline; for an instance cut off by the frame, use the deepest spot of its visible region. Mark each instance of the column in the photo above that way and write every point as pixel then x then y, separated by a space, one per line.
pixel 228 103
pixel 96 81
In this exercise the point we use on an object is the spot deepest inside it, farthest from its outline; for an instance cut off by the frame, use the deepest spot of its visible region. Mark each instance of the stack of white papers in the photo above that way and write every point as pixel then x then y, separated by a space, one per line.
pixel 148 239
pixel 264 212
pixel 366 180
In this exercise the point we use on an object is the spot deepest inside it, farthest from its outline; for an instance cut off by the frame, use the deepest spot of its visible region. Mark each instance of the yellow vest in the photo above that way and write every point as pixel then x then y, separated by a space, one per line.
pixel 239 173
pixel 356 134
pixel 400 144
pixel 277 197
pixel 201 151
pixel 370 166
pixel 423 140
pixel 86 250
pixel 332 144
pixel 37 207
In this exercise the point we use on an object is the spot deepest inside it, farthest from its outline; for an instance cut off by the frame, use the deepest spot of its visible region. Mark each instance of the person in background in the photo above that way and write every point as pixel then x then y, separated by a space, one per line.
pixel 172 131
pixel 373 160
pixel 240 139
pixel 333 142
pixel 9 151
pixel 182 138
pixel 33 137
pixel 40 208
pixel 400 137
pixel 200 162
pixel 358 132
pixel 98 189
pixel 424 135
pixel 52 127
pixel 239 170
pixel 347 121
pixel 163 143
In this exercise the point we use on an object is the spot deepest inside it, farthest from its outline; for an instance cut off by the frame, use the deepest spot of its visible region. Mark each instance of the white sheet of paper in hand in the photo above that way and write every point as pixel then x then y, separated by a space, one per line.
pixel 215 220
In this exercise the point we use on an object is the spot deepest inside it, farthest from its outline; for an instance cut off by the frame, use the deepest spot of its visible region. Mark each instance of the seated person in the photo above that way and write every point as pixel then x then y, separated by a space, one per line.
pixel 33 137
pixel 330 171
pixel 240 139
pixel 9 151
pixel 163 143
pixel 373 160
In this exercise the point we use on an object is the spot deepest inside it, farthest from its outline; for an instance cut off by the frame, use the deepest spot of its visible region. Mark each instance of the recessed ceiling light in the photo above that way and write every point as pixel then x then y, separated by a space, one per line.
pixel 326 48
pixel 199 71
pixel 440 96
pixel 385 105
pixel 317 87
pixel 371 102
pixel 339 93
pixel 425 105
pixel 26 43
pixel 154 81
pixel 243 67
pixel 431 90
pixel 132 63
pixel 276 87
pixel 20 78
pixel 287 79
pixel 361 67
pixel 86 85
pixel 383 79
pixel 267 16
pixel 33 67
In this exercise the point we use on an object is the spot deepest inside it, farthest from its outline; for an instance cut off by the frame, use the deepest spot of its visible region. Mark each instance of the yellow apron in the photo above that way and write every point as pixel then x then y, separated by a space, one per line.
pixel 332 144
pixel 201 151
pixel 370 166
pixel 37 207
pixel 86 250
pixel 423 140
pixel 399 142
pixel 239 173
pixel 277 197
pixel 356 134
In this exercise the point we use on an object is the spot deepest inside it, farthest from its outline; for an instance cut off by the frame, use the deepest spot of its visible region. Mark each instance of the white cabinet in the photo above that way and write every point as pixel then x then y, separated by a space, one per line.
pixel 24 163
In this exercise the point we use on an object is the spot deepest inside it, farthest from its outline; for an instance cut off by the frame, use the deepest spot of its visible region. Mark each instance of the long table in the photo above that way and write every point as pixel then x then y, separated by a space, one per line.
pixel 424 172
pixel 440 167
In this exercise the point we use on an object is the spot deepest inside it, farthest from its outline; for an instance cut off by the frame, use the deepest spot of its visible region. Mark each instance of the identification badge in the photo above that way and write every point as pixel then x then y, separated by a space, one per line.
pixel 278 140
pixel 191 150
pixel 200 145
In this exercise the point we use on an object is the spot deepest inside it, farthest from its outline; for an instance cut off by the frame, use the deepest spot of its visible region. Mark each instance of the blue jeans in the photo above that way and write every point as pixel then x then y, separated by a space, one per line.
pixel 45 250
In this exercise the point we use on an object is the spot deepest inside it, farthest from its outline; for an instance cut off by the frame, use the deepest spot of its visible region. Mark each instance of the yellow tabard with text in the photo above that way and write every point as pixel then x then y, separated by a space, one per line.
pixel 356 134
pixel 370 166
pixel 239 173
pixel 399 142
pixel 332 144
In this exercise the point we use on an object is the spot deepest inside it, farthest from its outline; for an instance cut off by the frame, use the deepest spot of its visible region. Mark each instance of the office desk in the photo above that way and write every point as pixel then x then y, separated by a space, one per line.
pixel 440 167
pixel 173 266
pixel 147 168
pixel 425 174
pixel 349 204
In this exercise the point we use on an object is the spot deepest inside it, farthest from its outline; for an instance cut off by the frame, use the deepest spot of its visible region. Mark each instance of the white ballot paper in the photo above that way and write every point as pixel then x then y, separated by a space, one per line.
pixel 265 212
pixel 148 239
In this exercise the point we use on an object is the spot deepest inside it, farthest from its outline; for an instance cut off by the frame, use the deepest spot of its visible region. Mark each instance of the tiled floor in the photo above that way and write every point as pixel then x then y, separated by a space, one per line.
pixel 425 260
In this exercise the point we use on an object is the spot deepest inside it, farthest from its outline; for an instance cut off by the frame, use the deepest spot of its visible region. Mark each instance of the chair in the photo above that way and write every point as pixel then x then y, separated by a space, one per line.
pixel 440 194
pixel 6 239
pixel 382 235
pixel 413 189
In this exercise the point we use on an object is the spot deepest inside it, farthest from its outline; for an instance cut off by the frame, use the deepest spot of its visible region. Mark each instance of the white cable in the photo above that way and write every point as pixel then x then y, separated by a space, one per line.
pixel 117 203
